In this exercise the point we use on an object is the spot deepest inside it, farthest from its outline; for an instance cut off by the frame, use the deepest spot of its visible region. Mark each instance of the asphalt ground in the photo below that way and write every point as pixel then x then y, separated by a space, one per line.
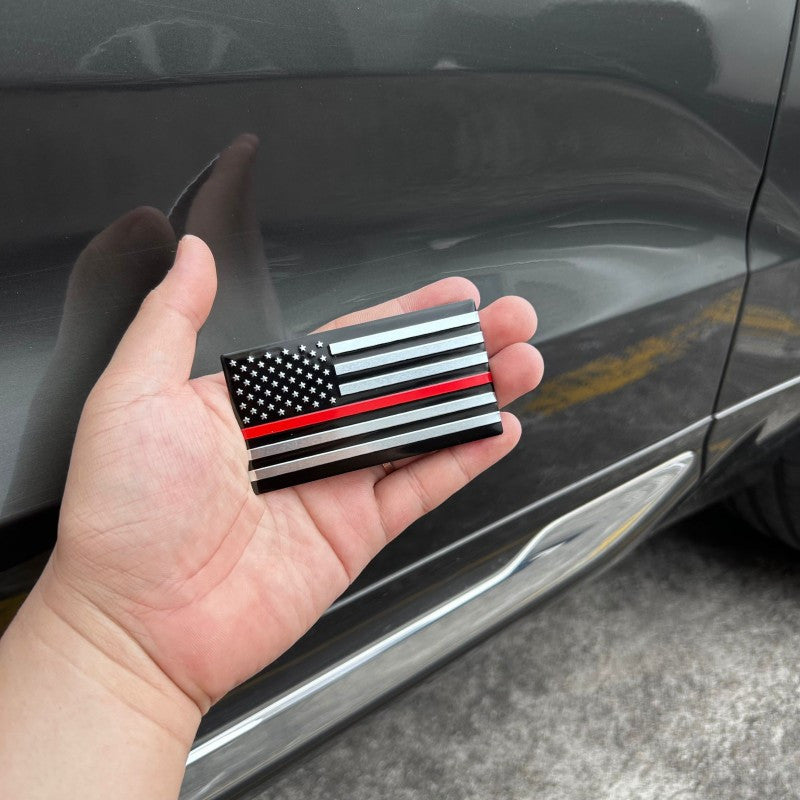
pixel 674 675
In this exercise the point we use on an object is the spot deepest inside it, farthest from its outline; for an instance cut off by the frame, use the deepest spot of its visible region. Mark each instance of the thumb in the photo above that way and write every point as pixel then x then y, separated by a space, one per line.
pixel 158 347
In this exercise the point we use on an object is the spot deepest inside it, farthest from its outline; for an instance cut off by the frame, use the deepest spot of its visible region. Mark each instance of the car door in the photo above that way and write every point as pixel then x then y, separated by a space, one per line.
pixel 758 398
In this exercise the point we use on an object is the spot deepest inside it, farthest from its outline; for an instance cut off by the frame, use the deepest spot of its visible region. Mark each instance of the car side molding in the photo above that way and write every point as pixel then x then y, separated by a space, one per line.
pixel 587 538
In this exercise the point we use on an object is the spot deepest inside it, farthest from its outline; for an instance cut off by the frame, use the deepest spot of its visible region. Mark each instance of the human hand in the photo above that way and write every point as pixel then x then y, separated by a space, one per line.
pixel 161 536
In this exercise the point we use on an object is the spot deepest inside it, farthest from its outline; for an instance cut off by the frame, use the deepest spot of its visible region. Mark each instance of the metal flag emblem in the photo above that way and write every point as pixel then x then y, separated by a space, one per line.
pixel 344 399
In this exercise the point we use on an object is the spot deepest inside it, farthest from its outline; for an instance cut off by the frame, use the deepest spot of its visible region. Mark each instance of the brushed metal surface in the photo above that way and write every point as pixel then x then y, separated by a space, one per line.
pixel 430 370
pixel 407 332
pixel 407 353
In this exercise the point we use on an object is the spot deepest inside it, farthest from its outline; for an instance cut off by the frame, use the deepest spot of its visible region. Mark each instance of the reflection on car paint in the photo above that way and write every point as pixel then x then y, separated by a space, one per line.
pixel 638 361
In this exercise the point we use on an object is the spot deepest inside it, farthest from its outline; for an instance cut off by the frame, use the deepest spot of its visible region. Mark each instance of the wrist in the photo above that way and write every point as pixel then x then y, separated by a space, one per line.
pixel 86 645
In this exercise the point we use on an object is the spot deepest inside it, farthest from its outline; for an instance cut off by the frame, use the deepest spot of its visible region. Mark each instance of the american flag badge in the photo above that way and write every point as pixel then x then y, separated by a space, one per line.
pixel 367 394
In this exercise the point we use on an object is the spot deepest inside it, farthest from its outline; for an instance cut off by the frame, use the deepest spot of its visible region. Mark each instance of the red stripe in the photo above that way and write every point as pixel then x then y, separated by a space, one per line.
pixel 373 404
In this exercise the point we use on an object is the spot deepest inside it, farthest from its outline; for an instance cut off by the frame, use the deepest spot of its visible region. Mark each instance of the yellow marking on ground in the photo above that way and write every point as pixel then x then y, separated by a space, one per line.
pixel 770 320
pixel 616 534
pixel 608 374
pixel 720 446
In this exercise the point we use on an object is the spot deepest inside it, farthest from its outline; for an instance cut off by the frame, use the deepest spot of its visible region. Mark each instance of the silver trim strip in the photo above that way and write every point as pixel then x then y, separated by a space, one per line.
pixel 398 440
pixel 748 401
pixel 594 532
pixel 414 373
pixel 377 424
pixel 407 353
pixel 407 332
pixel 704 422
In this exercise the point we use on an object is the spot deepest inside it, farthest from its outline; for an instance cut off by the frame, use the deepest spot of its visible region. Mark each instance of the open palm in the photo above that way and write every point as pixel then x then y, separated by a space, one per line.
pixel 161 531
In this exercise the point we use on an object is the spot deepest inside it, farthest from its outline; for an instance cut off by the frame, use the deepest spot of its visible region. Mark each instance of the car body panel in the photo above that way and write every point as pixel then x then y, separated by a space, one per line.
pixel 757 410
pixel 767 344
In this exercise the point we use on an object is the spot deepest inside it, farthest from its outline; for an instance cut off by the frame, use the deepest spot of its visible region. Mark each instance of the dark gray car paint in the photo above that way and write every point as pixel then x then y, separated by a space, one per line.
pixel 600 159
pixel 767 343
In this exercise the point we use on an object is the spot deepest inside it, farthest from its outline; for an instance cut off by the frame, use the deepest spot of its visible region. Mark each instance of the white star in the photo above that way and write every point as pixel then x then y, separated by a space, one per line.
pixel 261 364
pixel 246 420
pixel 267 355
pixel 271 369
pixel 319 380
pixel 313 352
pixel 240 391
pixel 296 356
pixel 271 407
pixel 305 398
pixel 333 399
pixel 255 411
pixel 249 397
pixel 263 416
pixel 288 401
pixel 291 380
pixel 294 394
pixel 250 359
pixel 313 390
pixel 279 361
pixel 281 411
pixel 303 348
pixel 329 386
pixel 267 392
pixel 299 407
pixel 274 383
pixel 315 404
pixel 281 374
pixel 243 367
pixel 254 374
pixel 306 361
pixel 285 351
pixel 260 401
pixel 243 405
pixel 257 387
pixel 302 385
pixel 319 344
pixel 235 377
pixel 316 366
pixel 326 372
pixel 232 363
pixel 247 383
pixel 323 395
pixel 322 358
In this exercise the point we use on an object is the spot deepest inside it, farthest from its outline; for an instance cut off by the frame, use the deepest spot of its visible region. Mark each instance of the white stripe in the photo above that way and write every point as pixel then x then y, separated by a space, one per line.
pixel 398 334
pixel 407 353
pixel 372 425
pixel 398 440
pixel 414 373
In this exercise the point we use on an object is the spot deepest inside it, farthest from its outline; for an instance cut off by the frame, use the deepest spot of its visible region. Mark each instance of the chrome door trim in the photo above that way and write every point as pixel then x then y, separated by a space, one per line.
pixel 527 509
pixel 593 533
pixel 756 398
